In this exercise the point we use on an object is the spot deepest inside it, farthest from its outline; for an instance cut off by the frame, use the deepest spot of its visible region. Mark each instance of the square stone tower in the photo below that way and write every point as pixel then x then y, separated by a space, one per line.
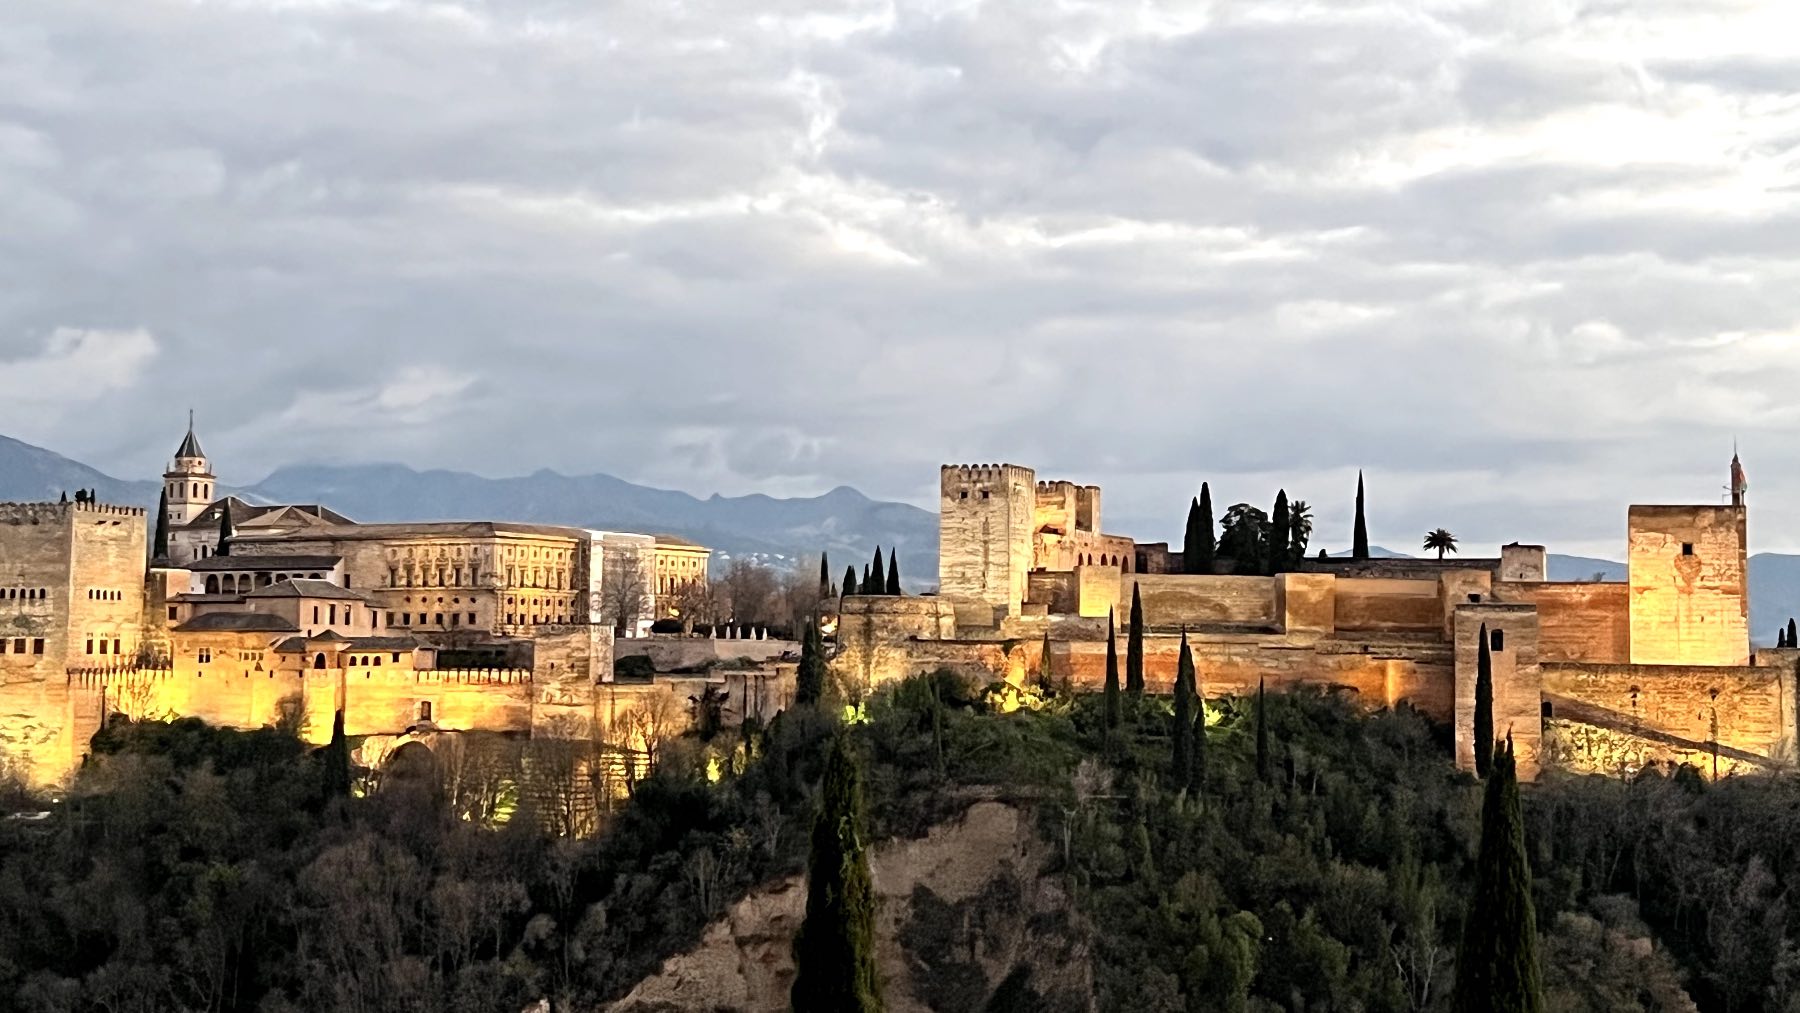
pixel 985 522
pixel 1689 585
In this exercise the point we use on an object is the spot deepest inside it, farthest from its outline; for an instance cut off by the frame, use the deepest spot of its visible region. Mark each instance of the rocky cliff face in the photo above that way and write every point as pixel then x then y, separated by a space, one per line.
pixel 967 922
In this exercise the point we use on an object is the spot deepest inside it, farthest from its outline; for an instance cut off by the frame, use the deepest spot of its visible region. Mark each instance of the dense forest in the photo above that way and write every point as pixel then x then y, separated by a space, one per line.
pixel 1323 864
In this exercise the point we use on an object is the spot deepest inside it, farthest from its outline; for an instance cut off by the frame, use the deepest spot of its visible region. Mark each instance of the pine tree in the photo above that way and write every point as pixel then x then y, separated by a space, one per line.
pixel 159 546
pixel 824 576
pixel 226 531
pixel 1262 732
pixel 1181 735
pixel 1497 967
pixel 1483 732
pixel 877 579
pixel 1359 547
pixel 1209 545
pixel 1112 674
pixel 850 580
pixel 1134 646
pixel 337 760
pixel 809 682
pixel 834 951
pixel 1280 535
pixel 893 575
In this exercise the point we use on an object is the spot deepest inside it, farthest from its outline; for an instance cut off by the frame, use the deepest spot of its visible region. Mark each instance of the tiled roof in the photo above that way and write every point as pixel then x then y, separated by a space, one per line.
pixel 237 622
pixel 262 563
pixel 307 589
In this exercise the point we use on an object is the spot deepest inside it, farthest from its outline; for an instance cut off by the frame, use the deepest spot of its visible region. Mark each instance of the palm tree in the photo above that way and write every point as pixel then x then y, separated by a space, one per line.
pixel 1441 540
pixel 1300 522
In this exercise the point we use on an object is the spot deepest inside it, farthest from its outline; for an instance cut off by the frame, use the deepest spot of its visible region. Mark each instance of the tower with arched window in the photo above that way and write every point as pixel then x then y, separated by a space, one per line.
pixel 189 481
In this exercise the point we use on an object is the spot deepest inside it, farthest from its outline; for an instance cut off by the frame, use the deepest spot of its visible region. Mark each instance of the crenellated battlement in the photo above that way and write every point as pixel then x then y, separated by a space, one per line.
pixel 964 476
pixel 38 513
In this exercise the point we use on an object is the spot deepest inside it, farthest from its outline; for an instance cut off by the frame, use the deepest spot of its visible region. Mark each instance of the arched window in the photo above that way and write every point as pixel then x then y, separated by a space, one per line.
pixel 319 662
pixel 212 584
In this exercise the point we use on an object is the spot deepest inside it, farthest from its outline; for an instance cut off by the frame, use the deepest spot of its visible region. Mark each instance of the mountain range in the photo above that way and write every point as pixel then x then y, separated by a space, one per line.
pixel 843 522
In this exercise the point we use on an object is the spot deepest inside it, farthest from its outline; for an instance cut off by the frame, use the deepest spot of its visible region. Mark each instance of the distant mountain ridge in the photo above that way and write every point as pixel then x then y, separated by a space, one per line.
pixel 843 522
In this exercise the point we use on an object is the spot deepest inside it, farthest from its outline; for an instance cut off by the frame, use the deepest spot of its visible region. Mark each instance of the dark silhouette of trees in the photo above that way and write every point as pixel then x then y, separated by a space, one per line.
pixel 834 951
pixel 1181 730
pixel 1198 545
pixel 893 574
pixel 1112 674
pixel 1441 540
pixel 1483 731
pixel 1280 536
pixel 1134 645
pixel 1359 543
pixel 809 682
pixel 1262 732
pixel 1497 965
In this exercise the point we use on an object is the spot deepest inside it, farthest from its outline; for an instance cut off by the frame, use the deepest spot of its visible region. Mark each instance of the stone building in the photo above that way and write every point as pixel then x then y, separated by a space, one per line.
pixel 1589 676
pixel 458 626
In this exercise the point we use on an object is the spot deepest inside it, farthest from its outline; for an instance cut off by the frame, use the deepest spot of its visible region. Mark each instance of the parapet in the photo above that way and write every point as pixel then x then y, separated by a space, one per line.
pixel 38 513
pixel 961 476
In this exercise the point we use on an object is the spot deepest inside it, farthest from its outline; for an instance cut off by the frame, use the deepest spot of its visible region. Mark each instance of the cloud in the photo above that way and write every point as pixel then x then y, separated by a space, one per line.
pixel 75 369
pixel 1522 262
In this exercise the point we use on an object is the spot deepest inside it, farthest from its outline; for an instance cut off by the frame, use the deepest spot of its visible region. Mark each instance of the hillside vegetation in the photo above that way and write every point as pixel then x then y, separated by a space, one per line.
pixel 199 869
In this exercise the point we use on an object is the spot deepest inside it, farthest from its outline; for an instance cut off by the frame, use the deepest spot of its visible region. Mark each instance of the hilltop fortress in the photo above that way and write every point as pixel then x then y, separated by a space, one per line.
pixel 1587 676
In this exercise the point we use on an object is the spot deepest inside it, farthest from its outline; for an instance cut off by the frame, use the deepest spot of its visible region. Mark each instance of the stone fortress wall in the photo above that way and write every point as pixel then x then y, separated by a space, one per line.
pixel 1589 676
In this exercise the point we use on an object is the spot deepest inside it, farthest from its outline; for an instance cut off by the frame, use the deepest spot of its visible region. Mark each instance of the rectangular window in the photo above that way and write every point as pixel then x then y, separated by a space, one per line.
pixel 172 611
pixel 90 645
pixel 440 619
pixel 115 648
pixel 315 613
pixel 471 619
pixel 332 611
pixel 1497 639
pixel 205 655
pixel 424 710
pixel 456 618
pixel 406 618
pixel 396 659
pixel 37 646
pixel 19 646
pixel 1687 548
pixel 102 647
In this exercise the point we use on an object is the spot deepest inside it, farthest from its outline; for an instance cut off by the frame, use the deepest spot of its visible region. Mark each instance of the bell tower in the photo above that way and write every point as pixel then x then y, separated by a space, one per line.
pixel 188 483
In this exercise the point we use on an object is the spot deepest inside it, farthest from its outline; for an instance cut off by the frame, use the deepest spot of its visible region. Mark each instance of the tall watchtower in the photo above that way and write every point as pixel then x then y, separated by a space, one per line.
pixel 985 519
pixel 1690 600
pixel 189 480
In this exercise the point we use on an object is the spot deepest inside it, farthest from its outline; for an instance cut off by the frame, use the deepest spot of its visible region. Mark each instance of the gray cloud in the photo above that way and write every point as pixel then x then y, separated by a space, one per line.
pixel 1523 262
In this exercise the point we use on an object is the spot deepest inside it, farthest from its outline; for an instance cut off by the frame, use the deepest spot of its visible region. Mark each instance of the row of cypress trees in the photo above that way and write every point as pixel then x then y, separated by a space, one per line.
pixel 1281 550
pixel 876 579
pixel 1785 637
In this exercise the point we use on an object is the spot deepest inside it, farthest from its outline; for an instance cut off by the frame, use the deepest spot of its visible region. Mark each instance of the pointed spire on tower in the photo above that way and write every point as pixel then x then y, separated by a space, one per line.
pixel 1739 485
pixel 190 444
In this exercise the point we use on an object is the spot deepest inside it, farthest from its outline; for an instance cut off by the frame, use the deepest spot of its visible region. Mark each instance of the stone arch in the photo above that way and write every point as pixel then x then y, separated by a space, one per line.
pixel 412 762
pixel 319 661
pixel 212 584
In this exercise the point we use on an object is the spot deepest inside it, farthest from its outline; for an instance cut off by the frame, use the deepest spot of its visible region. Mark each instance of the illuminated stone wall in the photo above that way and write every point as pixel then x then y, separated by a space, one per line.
pixel 1577 621
pixel 1689 599
pixel 1513 637
pixel 985 534
pixel 1616 719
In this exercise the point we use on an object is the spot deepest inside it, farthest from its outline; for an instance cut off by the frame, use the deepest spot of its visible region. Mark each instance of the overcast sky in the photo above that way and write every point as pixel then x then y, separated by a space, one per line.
pixel 1524 261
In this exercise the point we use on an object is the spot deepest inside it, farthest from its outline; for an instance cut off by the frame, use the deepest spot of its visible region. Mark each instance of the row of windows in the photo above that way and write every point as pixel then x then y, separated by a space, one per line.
pixel 244 583
pixel 105 594
pixel 101 643
pixel 523 619
pixel 196 490
pixel 18 645
pixel 426 619
pixel 25 593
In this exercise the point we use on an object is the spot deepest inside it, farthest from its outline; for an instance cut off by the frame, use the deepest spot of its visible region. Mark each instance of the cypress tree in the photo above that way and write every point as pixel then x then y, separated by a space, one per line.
pixel 1483 732
pixel 809 682
pixel 1134 646
pixel 1046 679
pixel 850 580
pixel 1190 538
pixel 834 951
pixel 337 760
pixel 1359 547
pixel 1262 732
pixel 824 575
pixel 1280 534
pixel 1209 545
pixel 1199 777
pixel 893 575
pixel 877 580
pixel 1497 967
pixel 1791 630
pixel 159 546
pixel 868 585
pixel 226 531
pixel 1181 735
pixel 1112 674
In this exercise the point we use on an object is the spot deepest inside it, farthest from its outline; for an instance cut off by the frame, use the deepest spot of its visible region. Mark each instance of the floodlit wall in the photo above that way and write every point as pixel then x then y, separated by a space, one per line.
pixel 985 534
pixel 1689 598
pixel 1578 621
